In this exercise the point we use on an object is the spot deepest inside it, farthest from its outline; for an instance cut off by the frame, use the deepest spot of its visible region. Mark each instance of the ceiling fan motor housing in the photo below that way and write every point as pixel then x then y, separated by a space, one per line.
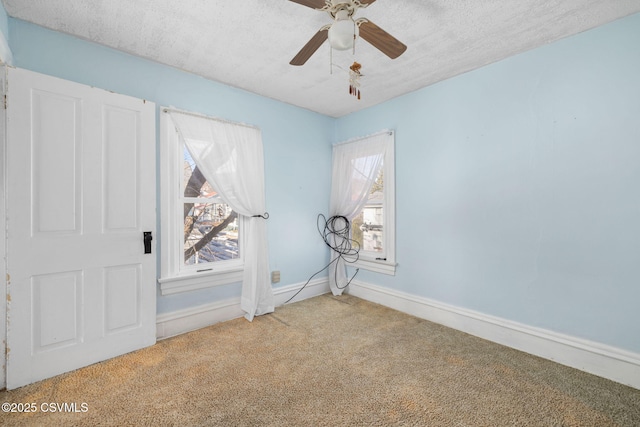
pixel 336 6
pixel 343 31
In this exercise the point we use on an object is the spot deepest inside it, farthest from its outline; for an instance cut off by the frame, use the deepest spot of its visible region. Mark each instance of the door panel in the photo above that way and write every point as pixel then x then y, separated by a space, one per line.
pixel 121 186
pixel 56 315
pixel 55 163
pixel 81 180
pixel 122 298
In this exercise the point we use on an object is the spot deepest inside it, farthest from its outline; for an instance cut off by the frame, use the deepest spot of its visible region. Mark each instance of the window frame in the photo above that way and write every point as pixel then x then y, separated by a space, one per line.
pixel 368 260
pixel 182 267
pixel 174 277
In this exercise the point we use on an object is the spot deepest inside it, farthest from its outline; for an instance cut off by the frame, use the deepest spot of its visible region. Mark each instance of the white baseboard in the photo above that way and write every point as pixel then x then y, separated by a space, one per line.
pixel 186 320
pixel 312 289
pixel 605 361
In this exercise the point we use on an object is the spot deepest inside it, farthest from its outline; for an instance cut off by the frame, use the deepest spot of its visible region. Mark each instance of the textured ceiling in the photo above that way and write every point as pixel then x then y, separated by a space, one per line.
pixel 249 43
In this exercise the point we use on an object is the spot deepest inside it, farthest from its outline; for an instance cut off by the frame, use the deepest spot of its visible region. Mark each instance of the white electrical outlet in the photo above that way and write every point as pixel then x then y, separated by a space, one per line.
pixel 275 276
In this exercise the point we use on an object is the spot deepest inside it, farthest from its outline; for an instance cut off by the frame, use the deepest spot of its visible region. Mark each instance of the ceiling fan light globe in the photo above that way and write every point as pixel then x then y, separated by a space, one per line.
pixel 342 34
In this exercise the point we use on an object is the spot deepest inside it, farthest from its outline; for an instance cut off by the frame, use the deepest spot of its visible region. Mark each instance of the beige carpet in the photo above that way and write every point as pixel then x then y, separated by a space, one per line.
pixel 329 361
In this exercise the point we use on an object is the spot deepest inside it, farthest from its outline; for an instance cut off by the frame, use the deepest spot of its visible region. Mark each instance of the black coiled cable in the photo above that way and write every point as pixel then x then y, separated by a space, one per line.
pixel 336 234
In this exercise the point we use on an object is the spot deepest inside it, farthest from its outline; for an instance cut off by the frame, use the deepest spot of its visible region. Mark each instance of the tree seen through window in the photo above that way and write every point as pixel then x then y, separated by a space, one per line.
pixel 210 225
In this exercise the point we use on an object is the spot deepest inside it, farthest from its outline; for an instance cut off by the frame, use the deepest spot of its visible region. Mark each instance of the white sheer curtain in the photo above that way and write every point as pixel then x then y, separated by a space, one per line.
pixel 230 156
pixel 355 167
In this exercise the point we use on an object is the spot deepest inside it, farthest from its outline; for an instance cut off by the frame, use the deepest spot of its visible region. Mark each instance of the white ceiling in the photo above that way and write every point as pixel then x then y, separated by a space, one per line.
pixel 249 43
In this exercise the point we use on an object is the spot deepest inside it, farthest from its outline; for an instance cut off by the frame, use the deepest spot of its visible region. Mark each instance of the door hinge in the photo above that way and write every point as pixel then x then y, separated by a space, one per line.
pixel 5 101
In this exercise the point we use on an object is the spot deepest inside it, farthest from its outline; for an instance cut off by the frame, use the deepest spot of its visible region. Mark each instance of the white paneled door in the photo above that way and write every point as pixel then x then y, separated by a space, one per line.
pixel 81 193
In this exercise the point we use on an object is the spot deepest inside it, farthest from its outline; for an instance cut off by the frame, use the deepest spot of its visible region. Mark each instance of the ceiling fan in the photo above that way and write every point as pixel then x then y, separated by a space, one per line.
pixel 344 30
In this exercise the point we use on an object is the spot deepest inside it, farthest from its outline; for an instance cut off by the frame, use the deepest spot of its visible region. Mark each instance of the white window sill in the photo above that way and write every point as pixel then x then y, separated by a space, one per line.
pixel 193 281
pixel 379 266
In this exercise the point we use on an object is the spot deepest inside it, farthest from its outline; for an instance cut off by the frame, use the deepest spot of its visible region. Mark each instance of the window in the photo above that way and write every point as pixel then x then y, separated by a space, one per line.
pixel 201 239
pixel 363 190
pixel 368 226
pixel 210 225
pixel 374 227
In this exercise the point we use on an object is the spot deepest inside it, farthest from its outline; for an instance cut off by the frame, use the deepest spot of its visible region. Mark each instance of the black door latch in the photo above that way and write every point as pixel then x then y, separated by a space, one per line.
pixel 147 241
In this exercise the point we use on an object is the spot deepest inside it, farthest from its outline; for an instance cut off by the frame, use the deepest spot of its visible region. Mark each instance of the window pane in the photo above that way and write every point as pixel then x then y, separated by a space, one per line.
pixel 367 227
pixel 210 233
pixel 194 183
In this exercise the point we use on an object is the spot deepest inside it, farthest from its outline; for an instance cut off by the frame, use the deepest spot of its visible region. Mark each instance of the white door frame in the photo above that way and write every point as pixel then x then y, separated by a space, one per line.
pixel 6 58
pixel 3 241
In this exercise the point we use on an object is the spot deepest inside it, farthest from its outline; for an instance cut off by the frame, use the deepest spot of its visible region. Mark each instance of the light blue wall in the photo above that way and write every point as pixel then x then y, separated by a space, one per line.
pixel 518 186
pixel 297 142
pixel 4 22
pixel 5 52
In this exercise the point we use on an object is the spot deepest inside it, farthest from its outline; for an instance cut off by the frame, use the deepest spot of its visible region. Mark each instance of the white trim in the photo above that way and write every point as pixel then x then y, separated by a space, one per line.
pixel 177 284
pixel 6 57
pixel 378 266
pixel 599 359
pixel 168 186
pixel 312 289
pixel 359 138
pixel 3 229
pixel 189 319
pixel 171 110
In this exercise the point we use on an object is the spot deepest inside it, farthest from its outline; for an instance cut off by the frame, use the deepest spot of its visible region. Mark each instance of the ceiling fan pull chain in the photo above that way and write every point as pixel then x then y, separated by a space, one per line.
pixel 355 27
